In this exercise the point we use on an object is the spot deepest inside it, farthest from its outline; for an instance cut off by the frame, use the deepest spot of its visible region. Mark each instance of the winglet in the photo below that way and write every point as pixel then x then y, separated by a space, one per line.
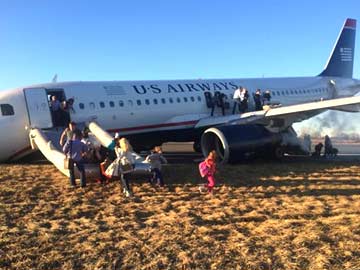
pixel 341 61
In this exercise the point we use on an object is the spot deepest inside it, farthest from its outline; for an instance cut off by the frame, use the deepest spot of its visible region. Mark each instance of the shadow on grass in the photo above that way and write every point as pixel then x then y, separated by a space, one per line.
pixel 284 178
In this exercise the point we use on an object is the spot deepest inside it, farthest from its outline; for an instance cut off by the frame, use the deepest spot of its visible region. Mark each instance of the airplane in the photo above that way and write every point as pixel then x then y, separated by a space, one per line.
pixel 150 113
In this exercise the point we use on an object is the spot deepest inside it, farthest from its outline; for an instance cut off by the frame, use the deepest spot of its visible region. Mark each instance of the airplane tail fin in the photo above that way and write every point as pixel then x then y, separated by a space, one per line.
pixel 340 63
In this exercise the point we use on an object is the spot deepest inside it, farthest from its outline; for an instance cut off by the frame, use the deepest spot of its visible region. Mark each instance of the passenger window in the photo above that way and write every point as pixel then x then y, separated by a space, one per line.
pixel 178 100
pixel 163 100
pixel 278 93
pixel 171 100
pixel 138 102
pixel 102 104
pixel 274 93
pixel 92 105
pixel 282 92
pixel 185 99
pixel 112 104
pixel 130 102
pixel 292 92
pixel 82 106
pixel 147 102
pixel 287 92
pixel 121 103
pixel 192 99
pixel 155 101
pixel 296 92
pixel 7 109
pixel 199 98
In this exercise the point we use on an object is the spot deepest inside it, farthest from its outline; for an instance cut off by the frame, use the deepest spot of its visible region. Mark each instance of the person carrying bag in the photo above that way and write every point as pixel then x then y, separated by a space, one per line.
pixel 124 164
pixel 67 158
pixel 75 150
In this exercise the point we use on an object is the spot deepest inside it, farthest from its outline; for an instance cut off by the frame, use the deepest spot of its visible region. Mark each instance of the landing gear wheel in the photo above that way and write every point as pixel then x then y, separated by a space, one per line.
pixel 197 147
pixel 279 152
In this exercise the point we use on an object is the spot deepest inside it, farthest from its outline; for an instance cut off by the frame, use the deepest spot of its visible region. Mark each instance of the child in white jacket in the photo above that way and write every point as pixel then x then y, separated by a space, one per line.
pixel 156 159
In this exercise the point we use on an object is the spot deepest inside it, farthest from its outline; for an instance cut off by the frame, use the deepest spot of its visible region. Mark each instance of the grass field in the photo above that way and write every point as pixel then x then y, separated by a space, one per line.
pixel 262 216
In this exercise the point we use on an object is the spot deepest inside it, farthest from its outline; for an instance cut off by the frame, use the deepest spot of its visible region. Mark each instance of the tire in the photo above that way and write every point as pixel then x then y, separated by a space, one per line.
pixel 279 152
pixel 197 147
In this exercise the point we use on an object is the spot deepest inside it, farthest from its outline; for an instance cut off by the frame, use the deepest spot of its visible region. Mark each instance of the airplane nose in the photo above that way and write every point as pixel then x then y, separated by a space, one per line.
pixel 5 140
pixel 14 140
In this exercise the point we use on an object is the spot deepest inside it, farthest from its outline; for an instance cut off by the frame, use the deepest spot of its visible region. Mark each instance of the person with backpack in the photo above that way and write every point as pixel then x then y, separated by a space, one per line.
pixel 207 170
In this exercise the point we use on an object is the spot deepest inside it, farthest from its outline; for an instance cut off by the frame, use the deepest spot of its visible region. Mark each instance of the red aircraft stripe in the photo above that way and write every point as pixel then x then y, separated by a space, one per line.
pixel 154 126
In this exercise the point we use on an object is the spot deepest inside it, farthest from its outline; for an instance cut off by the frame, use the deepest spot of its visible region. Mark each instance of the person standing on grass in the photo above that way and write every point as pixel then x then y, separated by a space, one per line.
pixel 126 159
pixel 207 170
pixel 156 159
pixel 76 149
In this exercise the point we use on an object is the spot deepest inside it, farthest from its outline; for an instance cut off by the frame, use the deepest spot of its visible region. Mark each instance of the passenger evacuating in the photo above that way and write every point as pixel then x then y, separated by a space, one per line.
pixel 207 170
pixel 237 99
pixel 244 96
pixel 266 97
pixel 257 100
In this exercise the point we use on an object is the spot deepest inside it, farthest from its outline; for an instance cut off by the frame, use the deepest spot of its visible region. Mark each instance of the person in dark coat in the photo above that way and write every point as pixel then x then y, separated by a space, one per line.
pixel 257 100
pixel 266 97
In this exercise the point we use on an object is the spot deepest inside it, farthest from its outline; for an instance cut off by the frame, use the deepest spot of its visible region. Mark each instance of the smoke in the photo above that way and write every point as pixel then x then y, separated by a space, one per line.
pixel 339 125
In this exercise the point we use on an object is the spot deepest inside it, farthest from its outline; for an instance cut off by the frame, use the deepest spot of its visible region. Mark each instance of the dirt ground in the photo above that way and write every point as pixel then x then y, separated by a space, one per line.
pixel 262 216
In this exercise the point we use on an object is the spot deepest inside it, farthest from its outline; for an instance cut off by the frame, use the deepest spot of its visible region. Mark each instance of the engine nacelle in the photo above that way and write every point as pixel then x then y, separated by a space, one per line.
pixel 236 142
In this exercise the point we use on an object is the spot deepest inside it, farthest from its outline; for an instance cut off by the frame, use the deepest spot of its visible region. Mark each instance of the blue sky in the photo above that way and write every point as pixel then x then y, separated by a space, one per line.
pixel 178 39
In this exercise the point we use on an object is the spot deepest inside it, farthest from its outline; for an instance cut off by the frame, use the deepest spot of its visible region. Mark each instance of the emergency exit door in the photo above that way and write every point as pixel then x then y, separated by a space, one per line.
pixel 38 108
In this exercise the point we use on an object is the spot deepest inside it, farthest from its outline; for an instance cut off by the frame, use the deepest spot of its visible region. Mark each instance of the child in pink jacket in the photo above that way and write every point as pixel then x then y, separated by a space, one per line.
pixel 207 169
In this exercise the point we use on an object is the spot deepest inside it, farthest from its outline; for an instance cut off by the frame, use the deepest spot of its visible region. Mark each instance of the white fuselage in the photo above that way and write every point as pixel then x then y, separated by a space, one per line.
pixel 134 107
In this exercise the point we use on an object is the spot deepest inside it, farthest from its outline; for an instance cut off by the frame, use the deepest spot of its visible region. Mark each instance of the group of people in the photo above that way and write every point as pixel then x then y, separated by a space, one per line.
pixel 329 150
pixel 79 150
pixel 60 111
pixel 241 99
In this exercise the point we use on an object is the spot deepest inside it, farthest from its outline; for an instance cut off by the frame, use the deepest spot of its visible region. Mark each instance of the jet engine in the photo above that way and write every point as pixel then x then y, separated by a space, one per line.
pixel 237 142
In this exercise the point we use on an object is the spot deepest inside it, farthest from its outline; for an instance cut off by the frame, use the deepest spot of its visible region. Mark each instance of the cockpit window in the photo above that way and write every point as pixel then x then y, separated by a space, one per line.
pixel 7 109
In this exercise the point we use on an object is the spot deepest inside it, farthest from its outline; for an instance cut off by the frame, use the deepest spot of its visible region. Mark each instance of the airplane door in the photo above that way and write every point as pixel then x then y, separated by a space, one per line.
pixel 38 108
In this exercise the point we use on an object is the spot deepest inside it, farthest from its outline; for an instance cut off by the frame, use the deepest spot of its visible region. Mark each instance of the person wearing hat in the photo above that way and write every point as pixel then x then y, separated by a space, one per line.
pixel 266 97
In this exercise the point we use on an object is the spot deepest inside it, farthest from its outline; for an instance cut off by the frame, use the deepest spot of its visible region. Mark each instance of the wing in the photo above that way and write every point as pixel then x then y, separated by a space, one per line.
pixel 281 118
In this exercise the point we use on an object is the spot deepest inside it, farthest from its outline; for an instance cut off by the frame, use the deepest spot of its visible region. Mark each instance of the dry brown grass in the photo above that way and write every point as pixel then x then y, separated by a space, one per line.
pixel 272 216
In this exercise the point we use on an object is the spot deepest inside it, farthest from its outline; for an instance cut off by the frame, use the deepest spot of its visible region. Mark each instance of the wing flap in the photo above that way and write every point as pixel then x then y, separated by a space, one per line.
pixel 313 106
